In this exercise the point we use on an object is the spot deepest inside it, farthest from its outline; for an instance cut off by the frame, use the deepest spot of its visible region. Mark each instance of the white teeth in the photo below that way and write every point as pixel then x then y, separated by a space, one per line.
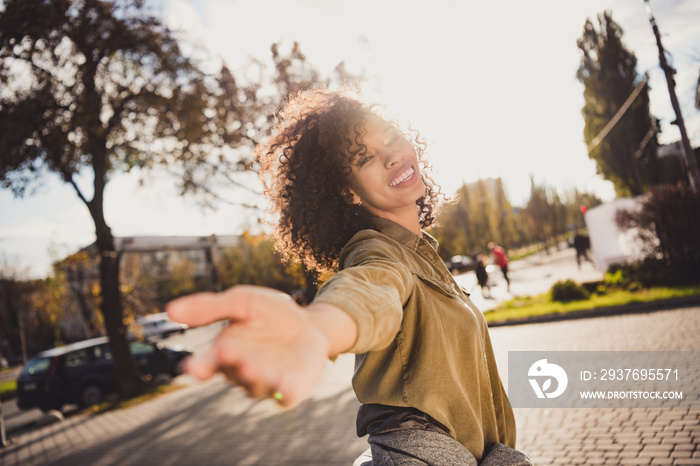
pixel 402 177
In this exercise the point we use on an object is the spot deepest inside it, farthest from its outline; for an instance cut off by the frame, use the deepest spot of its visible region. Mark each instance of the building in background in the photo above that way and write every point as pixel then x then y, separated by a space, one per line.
pixel 153 269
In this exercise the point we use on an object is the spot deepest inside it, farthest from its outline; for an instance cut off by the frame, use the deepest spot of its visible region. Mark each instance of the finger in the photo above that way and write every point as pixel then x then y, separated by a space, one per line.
pixel 250 377
pixel 201 365
pixel 244 366
pixel 205 308
pixel 290 392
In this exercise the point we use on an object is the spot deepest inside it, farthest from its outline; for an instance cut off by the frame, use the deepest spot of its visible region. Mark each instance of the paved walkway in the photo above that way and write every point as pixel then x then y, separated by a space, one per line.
pixel 212 424
pixel 530 276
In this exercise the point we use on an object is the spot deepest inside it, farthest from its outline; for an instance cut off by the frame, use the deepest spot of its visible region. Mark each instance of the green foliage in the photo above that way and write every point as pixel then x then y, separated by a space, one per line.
pixel 609 75
pixel 181 281
pixel 29 311
pixel 540 305
pixel 624 277
pixel 103 86
pixel 255 262
pixel 98 87
pixel 568 290
pixel 108 88
pixel 483 213
pixel 616 276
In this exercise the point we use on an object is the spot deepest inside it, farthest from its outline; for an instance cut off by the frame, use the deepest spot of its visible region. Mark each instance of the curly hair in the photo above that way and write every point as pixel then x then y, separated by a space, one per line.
pixel 305 172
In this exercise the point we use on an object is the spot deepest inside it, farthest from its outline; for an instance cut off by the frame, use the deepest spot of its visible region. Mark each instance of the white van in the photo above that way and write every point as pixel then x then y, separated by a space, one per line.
pixel 159 325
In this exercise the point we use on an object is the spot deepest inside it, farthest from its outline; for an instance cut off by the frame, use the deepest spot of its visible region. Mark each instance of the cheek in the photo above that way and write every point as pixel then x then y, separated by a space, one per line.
pixel 359 184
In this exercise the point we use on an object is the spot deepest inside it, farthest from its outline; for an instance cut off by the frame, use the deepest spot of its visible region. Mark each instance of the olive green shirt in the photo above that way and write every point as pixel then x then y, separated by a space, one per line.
pixel 422 343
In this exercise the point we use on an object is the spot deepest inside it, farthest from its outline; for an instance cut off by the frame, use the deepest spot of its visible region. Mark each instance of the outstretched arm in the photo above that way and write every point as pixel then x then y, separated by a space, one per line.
pixel 271 345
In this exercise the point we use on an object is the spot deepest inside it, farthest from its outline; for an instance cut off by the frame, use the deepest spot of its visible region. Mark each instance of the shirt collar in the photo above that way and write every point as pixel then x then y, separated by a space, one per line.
pixel 403 234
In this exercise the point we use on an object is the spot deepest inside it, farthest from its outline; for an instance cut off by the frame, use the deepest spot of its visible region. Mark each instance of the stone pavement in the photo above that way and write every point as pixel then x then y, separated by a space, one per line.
pixel 210 423
pixel 610 436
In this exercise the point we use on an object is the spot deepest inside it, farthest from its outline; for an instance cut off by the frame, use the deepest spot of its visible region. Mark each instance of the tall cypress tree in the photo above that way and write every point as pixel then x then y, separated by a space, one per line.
pixel 626 156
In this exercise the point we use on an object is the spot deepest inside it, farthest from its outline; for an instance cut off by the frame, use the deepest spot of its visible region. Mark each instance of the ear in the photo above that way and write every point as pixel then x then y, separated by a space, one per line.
pixel 355 198
pixel 350 196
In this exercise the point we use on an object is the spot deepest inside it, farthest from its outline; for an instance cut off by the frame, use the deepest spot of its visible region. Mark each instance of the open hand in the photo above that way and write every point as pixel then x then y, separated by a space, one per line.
pixel 269 347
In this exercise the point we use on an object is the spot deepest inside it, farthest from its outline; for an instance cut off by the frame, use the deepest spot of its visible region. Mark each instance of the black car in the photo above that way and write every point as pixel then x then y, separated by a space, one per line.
pixel 461 264
pixel 83 373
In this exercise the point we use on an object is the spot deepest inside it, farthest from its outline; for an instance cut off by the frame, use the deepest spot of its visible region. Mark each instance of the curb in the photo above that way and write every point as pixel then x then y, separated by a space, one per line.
pixel 632 308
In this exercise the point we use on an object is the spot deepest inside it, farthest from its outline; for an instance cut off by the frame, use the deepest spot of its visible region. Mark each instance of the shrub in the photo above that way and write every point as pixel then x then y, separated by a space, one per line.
pixel 616 276
pixel 592 287
pixel 569 290
pixel 668 225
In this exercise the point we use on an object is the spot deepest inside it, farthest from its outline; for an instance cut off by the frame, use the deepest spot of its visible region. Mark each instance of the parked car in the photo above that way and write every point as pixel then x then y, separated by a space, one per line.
pixel 461 264
pixel 158 325
pixel 83 373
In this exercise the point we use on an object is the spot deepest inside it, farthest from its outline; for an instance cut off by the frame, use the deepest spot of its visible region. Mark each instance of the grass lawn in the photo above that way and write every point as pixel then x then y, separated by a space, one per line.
pixel 8 389
pixel 540 305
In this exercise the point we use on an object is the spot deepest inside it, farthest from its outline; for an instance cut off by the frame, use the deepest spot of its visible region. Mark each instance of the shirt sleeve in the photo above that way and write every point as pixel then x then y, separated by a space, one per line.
pixel 372 289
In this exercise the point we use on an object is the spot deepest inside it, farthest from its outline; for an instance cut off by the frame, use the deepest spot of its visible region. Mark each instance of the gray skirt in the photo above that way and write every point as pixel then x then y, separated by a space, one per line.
pixel 421 447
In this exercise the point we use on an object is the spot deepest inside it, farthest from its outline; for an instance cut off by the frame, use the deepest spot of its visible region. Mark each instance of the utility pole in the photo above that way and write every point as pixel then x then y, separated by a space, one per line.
pixel 690 159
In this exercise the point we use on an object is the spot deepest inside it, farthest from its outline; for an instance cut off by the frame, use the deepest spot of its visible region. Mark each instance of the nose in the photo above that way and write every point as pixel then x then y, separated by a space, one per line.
pixel 391 157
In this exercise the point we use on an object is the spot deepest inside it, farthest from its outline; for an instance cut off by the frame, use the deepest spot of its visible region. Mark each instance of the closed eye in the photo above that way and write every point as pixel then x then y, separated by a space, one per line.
pixel 364 160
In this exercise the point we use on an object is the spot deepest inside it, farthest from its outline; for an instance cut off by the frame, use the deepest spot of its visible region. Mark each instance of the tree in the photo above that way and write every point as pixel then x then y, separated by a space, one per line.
pixel 667 227
pixel 255 262
pixel 539 213
pixel 627 154
pixel 481 213
pixel 97 86
pixel 506 219
pixel 28 312
pixel 453 229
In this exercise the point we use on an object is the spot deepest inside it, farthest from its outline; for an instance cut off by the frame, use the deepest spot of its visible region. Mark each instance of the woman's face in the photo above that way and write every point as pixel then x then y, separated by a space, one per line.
pixel 386 178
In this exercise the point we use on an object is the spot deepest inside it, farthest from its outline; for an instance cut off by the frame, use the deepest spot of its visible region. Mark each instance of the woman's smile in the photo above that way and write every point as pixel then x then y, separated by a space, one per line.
pixel 404 176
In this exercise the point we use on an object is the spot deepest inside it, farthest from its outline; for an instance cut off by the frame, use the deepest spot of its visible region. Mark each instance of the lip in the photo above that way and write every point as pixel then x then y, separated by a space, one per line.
pixel 398 174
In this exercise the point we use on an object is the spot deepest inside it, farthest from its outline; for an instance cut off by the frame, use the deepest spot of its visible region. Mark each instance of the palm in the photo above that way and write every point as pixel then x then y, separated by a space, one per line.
pixel 268 345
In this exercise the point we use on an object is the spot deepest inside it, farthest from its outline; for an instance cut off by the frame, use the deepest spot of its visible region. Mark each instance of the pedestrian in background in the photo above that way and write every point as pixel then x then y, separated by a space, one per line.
pixel 352 194
pixel 501 259
pixel 482 276
pixel 582 244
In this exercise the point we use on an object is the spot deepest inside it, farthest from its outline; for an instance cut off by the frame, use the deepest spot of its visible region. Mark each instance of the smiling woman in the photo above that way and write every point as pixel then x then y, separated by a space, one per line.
pixel 352 194
pixel 386 175
pixel 329 153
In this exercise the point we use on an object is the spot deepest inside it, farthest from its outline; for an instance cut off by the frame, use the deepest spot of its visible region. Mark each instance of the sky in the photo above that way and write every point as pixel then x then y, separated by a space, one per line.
pixel 491 86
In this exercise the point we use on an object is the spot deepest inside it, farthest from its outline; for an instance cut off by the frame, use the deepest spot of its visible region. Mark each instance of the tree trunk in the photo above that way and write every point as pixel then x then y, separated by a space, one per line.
pixel 128 379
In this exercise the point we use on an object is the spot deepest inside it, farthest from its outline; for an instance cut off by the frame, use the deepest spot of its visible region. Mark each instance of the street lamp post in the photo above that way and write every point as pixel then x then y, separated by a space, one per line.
pixel 689 155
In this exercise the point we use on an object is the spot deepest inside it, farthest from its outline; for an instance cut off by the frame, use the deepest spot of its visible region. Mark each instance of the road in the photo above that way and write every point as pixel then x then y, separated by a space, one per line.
pixel 530 276
pixel 215 424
